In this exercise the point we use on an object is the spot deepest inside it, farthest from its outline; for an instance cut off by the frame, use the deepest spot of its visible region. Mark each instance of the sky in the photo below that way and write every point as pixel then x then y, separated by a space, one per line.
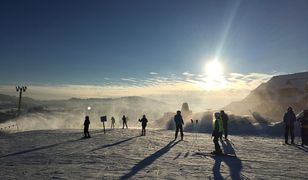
pixel 161 48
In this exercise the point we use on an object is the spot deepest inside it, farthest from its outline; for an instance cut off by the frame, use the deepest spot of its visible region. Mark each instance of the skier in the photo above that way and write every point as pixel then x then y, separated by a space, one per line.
pixel 289 119
pixel 112 122
pixel 178 124
pixel 303 119
pixel 124 119
pixel 217 131
pixel 86 127
pixel 225 120
pixel 144 122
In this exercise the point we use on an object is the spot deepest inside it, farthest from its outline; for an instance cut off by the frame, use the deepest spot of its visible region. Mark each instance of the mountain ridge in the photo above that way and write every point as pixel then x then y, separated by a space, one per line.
pixel 275 96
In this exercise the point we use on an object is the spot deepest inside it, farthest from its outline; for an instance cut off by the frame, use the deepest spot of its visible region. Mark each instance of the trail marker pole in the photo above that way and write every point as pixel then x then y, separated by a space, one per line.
pixel 103 120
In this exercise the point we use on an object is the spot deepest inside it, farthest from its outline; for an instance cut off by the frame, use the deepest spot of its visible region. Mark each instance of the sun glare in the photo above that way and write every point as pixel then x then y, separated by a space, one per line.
pixel 214 72
pixel 214 69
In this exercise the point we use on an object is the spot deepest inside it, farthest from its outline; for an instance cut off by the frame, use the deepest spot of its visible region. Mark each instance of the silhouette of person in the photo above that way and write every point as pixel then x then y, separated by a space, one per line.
pixel 124 119
pixel 217 131
pixel 225 120
pixel 304 127
pixel 144 122
pixel 178 124
pixel 112 122
pixel 289 118
pixel 86 127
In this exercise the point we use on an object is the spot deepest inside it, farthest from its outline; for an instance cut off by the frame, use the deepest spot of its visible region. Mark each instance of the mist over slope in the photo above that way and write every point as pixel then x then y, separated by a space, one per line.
pixel 271 99
pixel 70 113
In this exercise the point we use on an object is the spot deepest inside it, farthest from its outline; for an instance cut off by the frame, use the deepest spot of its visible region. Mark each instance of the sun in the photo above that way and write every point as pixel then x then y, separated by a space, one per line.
pixel 214 69
pixel 214 76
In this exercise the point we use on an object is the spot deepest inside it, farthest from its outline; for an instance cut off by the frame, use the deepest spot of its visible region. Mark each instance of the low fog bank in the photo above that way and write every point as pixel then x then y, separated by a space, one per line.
pixel 69 120
pixel 69 114
pixel 238 125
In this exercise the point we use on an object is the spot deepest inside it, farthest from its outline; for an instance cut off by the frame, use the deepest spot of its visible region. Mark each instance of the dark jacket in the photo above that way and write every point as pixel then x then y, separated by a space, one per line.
pixel 289 118
pixel 143 121
pixel 86 123
pixel 178 120
pixel 225 119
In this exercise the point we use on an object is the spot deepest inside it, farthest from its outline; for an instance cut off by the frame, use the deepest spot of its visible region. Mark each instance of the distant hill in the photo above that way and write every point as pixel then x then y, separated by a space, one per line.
pixel 12 101
pixel 272 98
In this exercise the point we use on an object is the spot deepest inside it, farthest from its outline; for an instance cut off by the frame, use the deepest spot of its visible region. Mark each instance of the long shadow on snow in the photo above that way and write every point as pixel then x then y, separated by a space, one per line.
pixel 49 146
pixel 301 148
pixel 114 144
pixel 149 160
pixel 234 163
pixel 40 148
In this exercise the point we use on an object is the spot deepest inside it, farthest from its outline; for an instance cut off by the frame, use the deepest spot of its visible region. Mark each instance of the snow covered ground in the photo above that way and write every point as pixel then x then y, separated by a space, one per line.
pixel 62 154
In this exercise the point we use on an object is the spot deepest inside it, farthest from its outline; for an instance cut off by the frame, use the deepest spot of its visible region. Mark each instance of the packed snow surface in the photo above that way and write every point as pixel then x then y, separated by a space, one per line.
pixel 122 154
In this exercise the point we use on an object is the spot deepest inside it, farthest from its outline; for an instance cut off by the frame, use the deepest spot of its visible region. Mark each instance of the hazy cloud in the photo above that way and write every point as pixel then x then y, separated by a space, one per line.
pixel 129 79
pixel 198 88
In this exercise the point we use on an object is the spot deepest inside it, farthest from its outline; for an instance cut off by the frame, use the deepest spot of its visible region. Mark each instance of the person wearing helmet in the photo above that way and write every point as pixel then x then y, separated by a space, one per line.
pixel 289 118
pixel 217 131
pixel 144 122
pixel 178 125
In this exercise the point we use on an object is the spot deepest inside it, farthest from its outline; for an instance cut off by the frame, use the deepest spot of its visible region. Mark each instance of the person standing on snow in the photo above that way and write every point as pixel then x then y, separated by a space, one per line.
pixel 225 119
pixel 86 127
pixel 178 125
pixel 303 119
pixel 112 122
pixel 289 119
pixel 124 119
pixel 144 122
pixel 217 131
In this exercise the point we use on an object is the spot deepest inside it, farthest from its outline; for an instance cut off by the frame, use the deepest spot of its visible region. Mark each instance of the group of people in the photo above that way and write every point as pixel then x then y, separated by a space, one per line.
pixel 289 120
pixel 220 127
pixel 143 121
pixel 124 120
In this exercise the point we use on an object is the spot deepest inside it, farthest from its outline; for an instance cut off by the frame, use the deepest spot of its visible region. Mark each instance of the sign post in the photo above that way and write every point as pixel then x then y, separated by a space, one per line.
pixel 103 120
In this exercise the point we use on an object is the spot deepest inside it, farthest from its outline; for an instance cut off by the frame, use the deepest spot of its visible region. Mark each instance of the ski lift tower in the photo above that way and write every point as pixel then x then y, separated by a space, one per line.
pixel 20 89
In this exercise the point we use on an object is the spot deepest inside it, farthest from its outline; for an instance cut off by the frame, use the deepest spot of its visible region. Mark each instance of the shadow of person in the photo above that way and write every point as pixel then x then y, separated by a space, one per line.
pixel 149 160
pixel 234 163
pixel 114 144
pixel 40 148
